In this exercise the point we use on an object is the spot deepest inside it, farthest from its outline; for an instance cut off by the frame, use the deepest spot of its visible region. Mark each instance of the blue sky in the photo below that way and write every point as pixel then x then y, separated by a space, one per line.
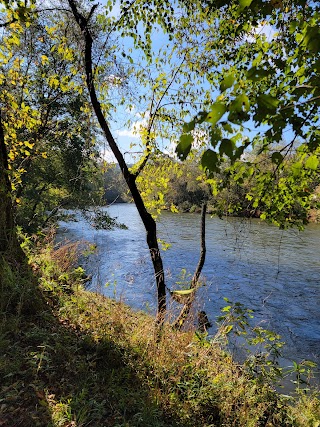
pixel 128 137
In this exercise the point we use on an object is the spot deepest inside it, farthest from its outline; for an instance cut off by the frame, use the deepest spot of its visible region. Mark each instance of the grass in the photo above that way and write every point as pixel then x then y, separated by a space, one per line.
pixel 76 358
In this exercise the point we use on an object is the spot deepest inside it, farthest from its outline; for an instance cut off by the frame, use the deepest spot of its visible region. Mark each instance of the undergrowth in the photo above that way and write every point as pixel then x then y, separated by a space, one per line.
pixel 81 359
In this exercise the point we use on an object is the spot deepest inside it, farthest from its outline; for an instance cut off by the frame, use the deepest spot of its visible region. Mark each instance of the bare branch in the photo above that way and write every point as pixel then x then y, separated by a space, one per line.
pixel 179 322
pixel 152 118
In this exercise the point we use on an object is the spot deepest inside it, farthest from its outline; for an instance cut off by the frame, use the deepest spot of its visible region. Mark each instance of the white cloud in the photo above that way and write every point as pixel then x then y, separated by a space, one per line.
pixel 131 133
pixel 137 127
pixel 108 156
pixel 262 29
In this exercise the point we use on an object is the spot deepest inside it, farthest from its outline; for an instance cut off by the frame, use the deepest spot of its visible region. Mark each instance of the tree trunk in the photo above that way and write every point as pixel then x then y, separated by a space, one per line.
pixel 6 211
pixel 148 221
pixel 179 322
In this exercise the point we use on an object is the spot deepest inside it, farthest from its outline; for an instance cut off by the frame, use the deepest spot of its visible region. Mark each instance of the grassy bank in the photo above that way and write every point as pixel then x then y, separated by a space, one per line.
pixel 69 357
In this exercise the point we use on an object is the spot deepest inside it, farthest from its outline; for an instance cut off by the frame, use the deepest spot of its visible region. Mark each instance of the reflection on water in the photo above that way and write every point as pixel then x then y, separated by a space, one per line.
pixel 275 273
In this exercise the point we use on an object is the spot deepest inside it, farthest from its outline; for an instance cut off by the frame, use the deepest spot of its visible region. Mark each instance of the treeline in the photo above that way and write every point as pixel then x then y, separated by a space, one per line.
pixel 168 184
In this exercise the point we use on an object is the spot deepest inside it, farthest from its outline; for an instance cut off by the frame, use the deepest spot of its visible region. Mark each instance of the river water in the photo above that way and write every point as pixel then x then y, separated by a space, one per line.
pixel 273 272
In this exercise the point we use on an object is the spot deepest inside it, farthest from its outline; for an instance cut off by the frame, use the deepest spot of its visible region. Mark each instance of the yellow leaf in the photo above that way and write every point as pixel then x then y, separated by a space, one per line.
pixel 184 292
pixel 28 144
pixel 174 209
pixel 44 59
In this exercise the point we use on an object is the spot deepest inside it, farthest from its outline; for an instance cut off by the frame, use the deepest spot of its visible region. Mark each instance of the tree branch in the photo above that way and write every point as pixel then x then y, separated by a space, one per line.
pixel 152 118
pixel 6 24
pixel 148 221
pixel 179 322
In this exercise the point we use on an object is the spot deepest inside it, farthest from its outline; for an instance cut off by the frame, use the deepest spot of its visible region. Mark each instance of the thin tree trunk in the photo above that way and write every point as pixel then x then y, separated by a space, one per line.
pixel 148 221
pixel 183 315
pixel 6 210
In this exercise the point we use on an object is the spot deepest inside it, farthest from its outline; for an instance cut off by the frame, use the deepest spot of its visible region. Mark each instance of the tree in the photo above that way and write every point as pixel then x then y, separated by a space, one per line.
pixel 49 132
pixel 8 238
pixel 210 51
pixel 272 84
pixel 166 91
pixel 148 221
pixel 163 97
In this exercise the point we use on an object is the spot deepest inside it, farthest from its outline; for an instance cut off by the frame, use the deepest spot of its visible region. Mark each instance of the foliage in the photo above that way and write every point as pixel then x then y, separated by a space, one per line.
pixel 101 220
pixel 263 348
pixel 47 124
pixel 19 293
pixel 168 184
pixel 115 188
pixel 271 84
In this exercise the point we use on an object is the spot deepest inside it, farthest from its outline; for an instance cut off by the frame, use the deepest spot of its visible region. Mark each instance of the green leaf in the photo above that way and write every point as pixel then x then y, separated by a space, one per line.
pixel 255 74
pixel 200 117
pixel 217 111
pixel 226 147
pixel 277 158
pixel 267 101
pixel 244 3
pixel 209 161
pixel 188 127
pixel 312 162
pixel 238 117
pixel 228 329
pixel 227 127
pixel 296 169
pixel 240 104
pixel 215 135
pixel 312 39
pixel 227 82
pixel 184 146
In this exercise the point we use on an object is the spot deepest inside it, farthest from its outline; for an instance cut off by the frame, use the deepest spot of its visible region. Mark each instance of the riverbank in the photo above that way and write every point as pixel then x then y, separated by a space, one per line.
pixel 85 360
pixel 313 215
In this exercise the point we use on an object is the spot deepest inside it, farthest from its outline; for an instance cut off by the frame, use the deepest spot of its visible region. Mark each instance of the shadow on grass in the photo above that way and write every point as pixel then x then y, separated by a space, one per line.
pixel 53 374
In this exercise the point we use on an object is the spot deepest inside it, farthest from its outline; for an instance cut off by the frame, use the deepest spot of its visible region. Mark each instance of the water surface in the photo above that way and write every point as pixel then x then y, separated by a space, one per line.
pixel 276 273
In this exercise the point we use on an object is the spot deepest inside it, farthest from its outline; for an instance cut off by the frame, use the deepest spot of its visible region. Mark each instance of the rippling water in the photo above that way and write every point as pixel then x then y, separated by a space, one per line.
pixel 276 273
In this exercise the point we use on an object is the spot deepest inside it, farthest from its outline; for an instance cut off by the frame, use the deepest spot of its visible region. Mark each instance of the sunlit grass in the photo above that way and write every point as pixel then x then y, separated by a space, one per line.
pixel 85 360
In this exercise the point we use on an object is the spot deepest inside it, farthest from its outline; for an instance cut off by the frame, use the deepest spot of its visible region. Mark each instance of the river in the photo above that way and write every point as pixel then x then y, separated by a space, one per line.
pixel 273 272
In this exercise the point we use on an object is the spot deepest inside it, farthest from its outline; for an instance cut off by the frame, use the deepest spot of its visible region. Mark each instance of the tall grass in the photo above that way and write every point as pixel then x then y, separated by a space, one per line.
pixel 85 360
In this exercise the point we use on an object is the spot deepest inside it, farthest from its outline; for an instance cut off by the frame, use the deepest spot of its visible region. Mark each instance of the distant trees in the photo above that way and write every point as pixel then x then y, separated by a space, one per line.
pixel 182 187
pixel 115 187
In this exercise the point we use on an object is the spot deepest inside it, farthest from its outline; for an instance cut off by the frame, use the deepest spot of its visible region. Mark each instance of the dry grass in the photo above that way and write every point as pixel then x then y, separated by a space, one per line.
pixel 192 380
pixel 90 361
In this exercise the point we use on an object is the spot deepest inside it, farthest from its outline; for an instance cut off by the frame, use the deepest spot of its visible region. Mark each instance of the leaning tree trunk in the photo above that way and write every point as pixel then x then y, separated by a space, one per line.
pixel 183 315
pixel 130 178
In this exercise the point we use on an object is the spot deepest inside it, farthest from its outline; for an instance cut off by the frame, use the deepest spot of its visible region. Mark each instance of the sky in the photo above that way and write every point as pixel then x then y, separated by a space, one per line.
pixel 128 137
